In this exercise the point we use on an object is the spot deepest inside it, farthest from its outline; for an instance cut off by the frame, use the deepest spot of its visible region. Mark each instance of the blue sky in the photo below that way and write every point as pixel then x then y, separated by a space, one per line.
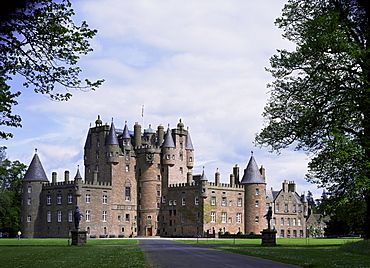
pixel 201 61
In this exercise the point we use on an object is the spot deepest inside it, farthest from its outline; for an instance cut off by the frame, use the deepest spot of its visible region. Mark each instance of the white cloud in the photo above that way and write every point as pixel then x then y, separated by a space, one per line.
pixel 202 61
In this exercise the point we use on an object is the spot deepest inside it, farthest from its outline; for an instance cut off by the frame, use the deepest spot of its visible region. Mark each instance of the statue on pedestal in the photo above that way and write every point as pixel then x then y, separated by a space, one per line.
pixel 77 216
pixel 268 217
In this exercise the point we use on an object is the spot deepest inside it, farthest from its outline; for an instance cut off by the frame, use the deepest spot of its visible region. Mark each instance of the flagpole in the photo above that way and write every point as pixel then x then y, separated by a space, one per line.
pixel 142 114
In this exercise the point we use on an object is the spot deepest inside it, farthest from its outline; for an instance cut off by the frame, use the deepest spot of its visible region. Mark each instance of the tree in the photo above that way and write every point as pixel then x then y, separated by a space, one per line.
pixel 39 41
pixel 11 175
pixel 320 98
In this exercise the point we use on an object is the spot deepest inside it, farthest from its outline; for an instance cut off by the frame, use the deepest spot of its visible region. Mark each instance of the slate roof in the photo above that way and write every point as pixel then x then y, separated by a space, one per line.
pixel 88 140
pixel 203 177
pixel 189 143
pixel 252 173
pixel 168 140
pixel 126 133
pixel 112 136
pixel 78 174
pixel 35 171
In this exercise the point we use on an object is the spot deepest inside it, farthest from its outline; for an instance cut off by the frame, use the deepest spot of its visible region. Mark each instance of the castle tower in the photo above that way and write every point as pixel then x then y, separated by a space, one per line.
pixel 31 189
pixel 254 198
pixel 148 177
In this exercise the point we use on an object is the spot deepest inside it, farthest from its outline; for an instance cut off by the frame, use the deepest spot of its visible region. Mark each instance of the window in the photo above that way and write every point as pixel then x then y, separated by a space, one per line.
pixel 282 233
pixel 294 208
pixel 70 215
pixel 190 159
pixel 158 193
pixel 181 157
pixel 213 216
pixel 198 216
pixel 238 218
pixel 104 216
pixel 170 203
pixel 294 221
pixel 127 168
pixel 274 221
pixel 174 202
pixel 182 219
pixel 87 215
pixel 196 200
pixel 288 221
pixel 299 222
pixel 239 202
pixel 282 221
pixel 299 208
pixel 257 203
pixel 223 217
pixel 230 220
pixel 277 207
pixel 88 198
pixel 159 177
pixel 48 216
pixel 127 218
pixel 256 219
pixel 59 216
pixel 28 201
pixel 28 218
pixel 286 208
pixel 230 203
pixel 223 201
pixel 59 199
pixel 29 189
pixel 127 193
pixel 105 199
pixel 70 199
pixel 127 155
pixel 213 200
pixel 48 200
pixel 183 201
pixel 257 191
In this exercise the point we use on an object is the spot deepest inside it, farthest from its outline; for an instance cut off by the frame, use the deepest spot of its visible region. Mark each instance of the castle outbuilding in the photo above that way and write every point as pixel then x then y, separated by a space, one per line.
pixel 141 183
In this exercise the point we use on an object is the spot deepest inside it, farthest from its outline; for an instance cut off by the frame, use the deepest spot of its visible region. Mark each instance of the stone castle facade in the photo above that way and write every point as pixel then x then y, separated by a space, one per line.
pixel 140 183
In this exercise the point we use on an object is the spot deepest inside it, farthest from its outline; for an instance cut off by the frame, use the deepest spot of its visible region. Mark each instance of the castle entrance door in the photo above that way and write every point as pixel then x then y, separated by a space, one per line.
pixel 149 231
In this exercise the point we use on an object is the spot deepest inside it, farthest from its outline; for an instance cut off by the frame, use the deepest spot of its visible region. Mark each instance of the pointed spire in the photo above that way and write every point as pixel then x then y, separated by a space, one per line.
pixel 168 140
pixel 88 140
pixel 189 143
pixel 35 171
pixel 252 173
pixel 204 177
pixel 112 136
pixel 78 175
pixel 126 133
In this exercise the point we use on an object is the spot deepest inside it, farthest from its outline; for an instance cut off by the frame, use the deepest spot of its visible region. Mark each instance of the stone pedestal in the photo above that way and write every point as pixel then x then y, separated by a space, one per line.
pixel 78 238
pixel 268 237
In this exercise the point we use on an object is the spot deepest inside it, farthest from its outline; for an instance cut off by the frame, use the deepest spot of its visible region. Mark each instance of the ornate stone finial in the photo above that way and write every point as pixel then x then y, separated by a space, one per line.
pixel 98 122
pixel 252 153
pixel 35 150
pixel 112 119
pixel 125 121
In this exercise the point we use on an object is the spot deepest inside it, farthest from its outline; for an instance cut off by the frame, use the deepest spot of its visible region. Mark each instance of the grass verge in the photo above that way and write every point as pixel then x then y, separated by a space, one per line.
pixel 57 253
pixel 311 256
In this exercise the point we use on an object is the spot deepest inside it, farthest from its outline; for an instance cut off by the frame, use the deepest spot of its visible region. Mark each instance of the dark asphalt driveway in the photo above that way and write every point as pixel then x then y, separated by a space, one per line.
pixel 166 253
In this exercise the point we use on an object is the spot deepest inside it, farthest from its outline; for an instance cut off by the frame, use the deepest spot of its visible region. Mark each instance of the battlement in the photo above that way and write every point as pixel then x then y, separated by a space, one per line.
pixel 182 185
pixel 224 185
pixel 58 183
pixel 96 183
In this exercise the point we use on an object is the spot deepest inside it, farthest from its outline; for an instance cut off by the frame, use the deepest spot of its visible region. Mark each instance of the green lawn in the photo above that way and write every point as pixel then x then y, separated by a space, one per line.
pixel 311 256
pixel 57 253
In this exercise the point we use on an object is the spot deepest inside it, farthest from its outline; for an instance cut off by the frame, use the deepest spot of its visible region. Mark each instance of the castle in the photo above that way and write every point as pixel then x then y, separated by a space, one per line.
pixel 140 183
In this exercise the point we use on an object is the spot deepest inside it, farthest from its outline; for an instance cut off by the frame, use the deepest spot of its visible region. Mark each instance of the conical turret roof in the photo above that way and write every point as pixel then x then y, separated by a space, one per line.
pixel 126 133
pixel 168 140
pixel 189 143
pixel 88 140
pixel 252 173
pixel 204 177
pixel 35 171
pixel 78 174
pixel 112 136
